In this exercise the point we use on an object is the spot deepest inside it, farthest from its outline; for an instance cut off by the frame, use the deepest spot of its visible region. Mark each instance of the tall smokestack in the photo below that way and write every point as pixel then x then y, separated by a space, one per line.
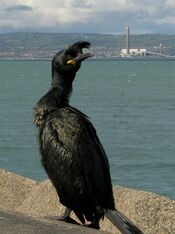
pixel 160 48
pixel 127 40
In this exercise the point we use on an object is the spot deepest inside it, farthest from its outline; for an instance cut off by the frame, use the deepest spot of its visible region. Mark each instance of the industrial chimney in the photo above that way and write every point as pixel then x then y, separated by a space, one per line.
pixel 127 40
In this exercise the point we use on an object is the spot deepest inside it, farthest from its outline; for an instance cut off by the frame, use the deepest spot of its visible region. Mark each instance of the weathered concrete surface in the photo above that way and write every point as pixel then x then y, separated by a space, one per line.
pixel 16 223
pixel 14 189
pixel 154 214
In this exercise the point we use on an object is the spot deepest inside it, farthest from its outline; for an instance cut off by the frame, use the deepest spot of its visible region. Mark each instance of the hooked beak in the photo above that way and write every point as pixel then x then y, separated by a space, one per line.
pixel 80 57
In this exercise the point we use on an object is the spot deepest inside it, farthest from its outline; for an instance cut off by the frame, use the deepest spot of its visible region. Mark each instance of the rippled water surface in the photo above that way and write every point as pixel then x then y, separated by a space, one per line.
pixel 131 104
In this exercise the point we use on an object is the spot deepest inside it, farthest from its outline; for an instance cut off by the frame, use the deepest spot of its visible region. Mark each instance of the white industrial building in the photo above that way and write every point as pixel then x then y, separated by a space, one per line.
pixel 133 52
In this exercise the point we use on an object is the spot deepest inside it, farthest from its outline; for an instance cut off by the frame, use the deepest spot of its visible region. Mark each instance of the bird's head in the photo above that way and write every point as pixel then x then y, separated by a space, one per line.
pixel 67 62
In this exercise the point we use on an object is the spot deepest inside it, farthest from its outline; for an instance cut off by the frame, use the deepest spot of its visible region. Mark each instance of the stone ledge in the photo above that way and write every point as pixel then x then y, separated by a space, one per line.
pixel 152 213
pixel 18 223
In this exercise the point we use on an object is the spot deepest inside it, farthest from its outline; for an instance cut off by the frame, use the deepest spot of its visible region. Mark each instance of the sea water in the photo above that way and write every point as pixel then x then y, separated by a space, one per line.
pixel 130 103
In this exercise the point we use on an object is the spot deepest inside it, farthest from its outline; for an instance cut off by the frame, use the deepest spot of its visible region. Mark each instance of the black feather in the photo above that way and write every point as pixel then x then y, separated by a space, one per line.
pixel 122 222
pixel 81 44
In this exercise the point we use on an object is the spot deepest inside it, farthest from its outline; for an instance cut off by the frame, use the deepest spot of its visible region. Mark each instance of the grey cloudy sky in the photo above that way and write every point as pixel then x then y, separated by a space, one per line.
pixel 88 16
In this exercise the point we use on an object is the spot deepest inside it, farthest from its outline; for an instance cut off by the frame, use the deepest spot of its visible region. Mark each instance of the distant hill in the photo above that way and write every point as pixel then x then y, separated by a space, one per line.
pixel 45 45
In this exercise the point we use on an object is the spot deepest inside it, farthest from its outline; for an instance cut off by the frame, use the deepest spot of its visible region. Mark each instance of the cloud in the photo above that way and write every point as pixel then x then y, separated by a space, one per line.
pixel 19 8
pixel 96 16
pixel 169 20
pixel 81 4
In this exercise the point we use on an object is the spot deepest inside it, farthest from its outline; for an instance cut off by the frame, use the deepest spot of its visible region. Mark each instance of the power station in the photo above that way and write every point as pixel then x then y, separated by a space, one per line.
pixel 129 52
pixel 138 52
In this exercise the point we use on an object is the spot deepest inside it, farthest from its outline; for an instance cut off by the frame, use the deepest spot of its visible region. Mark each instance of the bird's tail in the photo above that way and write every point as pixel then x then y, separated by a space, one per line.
pixel 122 222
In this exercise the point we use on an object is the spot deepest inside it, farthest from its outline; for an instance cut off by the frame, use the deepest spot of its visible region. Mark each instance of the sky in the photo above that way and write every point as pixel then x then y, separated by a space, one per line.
pixel 88 16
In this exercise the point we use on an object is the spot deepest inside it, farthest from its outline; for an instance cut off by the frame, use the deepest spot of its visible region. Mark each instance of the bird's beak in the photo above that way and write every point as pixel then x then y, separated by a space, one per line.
pixel 80 57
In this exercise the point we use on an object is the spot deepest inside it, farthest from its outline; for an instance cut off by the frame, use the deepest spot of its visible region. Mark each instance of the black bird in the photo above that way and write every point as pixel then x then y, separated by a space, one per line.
pixel 71 152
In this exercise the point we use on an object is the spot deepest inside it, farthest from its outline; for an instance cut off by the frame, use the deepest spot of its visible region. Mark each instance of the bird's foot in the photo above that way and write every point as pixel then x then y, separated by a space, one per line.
pixel 70 220
pixel 93 225
pixel 65 217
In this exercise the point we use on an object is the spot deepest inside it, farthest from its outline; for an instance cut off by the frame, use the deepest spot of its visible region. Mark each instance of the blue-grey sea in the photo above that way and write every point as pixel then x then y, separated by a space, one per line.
pixel 131 104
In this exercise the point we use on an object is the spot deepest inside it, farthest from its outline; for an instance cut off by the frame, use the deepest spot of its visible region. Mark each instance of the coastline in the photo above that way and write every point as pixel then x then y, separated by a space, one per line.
pixel 153 213
pixel 144 58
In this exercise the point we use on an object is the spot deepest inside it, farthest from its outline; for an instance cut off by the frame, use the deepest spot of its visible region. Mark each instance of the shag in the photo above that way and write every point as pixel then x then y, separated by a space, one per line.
pixel 71 152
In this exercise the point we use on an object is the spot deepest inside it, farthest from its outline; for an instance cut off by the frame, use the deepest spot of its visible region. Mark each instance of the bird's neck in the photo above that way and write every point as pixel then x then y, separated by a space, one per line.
pixel 65 84
pixel 57 97
pixel 57 80
pixel 54 99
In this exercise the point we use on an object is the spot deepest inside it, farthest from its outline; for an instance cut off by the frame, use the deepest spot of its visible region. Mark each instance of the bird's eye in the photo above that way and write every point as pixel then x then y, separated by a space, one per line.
pixel 69 57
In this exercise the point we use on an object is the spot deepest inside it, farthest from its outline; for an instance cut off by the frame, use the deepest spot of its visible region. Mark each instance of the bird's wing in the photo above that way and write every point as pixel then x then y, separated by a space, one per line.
pixel 81 140
pixel 95 166
pixel 70 134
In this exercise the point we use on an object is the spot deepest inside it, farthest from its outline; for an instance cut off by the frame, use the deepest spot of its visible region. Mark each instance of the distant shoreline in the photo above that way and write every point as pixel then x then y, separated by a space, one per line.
pixel 43 46
pixel 98 59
